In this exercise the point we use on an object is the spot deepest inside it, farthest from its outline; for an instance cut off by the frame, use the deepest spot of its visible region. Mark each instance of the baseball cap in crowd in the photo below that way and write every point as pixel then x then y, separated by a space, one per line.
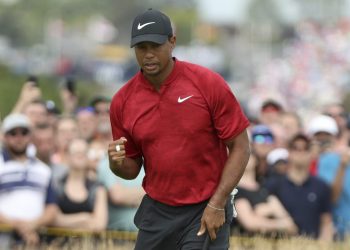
pixel 276 155
pixel 13 121
pixel 151 26
pixel 52 108
pixel 322 123
pixel 262 134
pixel 271 105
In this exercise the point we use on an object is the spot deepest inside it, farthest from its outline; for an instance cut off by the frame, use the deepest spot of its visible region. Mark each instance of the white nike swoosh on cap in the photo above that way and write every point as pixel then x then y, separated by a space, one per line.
pixel 180 100
pixel 140 26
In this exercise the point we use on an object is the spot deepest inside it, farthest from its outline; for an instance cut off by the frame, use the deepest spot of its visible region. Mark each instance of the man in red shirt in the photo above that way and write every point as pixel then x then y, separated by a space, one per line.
pixel 184 125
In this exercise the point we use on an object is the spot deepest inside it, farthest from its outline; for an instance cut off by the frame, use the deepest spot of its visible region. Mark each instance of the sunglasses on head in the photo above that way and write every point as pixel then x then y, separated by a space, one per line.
pixel 18 131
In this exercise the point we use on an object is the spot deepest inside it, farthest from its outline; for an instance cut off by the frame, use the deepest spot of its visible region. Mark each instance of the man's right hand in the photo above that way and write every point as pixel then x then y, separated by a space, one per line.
pixel 117 157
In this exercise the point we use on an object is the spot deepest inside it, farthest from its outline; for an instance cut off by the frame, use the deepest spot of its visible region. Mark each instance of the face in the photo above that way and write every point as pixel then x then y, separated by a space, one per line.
pixel 155 59
pixel 36 113
pixel 78 154
pixel 291 124
pixel 17 140
pixel 43 141
pixel 338 113
pixel 300 154
pixel 67 130
pixel 102 113
pixel 87 123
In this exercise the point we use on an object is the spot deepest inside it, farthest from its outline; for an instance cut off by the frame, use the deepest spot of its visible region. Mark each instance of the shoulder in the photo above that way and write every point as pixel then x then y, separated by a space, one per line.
pixel 41 166
pixel 126 90
pixel 199 72
pixel 319 183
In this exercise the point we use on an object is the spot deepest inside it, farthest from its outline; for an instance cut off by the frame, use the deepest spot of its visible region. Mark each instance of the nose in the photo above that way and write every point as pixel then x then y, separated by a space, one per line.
pixel 149 54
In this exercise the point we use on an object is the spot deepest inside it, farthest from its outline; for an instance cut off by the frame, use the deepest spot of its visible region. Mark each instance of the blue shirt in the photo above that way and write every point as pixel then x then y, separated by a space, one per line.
pixel 328 166
pixel 305 203
pixel 120 217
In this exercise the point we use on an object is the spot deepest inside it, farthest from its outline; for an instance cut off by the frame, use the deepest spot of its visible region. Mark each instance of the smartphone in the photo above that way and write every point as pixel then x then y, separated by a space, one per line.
pixel 33 79
pixel 70 85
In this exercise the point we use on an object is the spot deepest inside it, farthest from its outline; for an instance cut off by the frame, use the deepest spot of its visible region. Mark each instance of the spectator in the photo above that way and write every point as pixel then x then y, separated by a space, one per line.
pixel 292 124
pixel 124 197
pixel 103 132
pixel 259 211
pixel 66 131
pixel 82 202
pixel 96 152
pixel 87 123
pixel 277 161
pixel 37 112
pixel 53 112
pixel 263 141
pixel 334 168
pixel 306 198
pixel 270 111
pixel 323 131
pixel 27 199
pixel 338 113
pixel 43 141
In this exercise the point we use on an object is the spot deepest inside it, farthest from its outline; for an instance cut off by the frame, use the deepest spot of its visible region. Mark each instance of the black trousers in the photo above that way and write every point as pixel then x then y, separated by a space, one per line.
pixel 164 227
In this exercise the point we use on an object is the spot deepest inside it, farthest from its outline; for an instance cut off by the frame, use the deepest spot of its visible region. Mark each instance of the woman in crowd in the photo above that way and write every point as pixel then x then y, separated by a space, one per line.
pixel 82 202
pixel 259 211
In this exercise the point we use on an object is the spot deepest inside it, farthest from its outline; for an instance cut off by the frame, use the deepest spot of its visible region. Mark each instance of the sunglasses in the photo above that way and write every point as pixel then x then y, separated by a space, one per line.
pixel 263 139
pixel 21 131
pixel 342 114
pixel 104 111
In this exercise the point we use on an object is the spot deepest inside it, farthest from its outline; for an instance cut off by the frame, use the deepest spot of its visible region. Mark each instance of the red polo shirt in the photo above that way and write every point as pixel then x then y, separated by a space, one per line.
pixel 179 131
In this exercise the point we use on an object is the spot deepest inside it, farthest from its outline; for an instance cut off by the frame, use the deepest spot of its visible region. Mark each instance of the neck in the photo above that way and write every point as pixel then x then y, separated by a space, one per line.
pixel 248 180
pixel 17 157
pixel 298 174
pixel 158 79
pixel 76 174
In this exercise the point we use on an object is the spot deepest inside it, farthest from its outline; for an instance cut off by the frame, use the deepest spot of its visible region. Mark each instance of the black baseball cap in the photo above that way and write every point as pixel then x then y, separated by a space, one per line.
pixel 151 26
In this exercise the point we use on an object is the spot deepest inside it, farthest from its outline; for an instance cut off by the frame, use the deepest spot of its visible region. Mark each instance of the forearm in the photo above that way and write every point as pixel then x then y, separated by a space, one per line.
pixel 77 220
pixel 239 152
pixel 337 185
pixel 48 216
pixel 326 228
pixel 19 107
pixel 127 169
pixel 126 196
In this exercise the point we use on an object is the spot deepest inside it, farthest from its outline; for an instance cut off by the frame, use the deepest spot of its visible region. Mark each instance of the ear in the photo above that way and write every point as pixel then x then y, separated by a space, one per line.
pixel 172 41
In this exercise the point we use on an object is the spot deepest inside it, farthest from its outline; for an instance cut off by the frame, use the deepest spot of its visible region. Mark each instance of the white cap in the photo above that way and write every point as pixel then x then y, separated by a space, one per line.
pixel 276 155
pixel 15 121
pixel 322 123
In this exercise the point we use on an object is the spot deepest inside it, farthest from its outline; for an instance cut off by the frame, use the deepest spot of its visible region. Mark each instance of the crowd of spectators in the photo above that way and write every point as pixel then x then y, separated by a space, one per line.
pixel 54 170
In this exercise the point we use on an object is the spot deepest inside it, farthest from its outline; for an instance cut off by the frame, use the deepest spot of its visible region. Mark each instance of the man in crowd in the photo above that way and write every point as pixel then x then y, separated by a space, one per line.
pixel 306 198
pixel 27 199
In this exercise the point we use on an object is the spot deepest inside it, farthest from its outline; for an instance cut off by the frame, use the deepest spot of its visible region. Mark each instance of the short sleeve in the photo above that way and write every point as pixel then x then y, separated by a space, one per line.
pixel 227 114
pixel 326 199
pixel 51 197
pixel 118 131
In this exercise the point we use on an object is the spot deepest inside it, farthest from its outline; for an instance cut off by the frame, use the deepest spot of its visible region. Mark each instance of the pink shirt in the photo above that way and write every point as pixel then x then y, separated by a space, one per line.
pixel 179 131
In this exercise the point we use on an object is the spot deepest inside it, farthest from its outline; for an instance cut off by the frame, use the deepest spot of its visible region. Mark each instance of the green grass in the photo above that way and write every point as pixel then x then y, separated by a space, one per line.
pixel 11 84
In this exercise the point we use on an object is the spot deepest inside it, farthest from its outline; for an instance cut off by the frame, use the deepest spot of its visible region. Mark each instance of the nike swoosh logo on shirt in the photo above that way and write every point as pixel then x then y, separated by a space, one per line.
pixel 180 100
pixel 140 26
